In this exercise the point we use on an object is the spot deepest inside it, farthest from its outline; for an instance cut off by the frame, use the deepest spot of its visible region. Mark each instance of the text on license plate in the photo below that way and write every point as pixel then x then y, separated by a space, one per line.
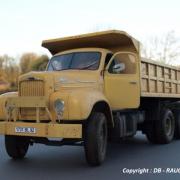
pixel 30 130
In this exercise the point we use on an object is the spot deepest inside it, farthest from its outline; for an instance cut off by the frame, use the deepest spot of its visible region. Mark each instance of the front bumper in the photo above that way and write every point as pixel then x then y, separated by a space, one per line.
pixel 48 130
pixel 12 122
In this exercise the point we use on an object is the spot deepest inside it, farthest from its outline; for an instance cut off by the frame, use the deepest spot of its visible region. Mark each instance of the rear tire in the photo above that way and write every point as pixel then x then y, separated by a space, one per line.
pixel 177 123
pixel 95 139
pixel 16 146
pixel 162 130
pixel 165 127
pixel 151 134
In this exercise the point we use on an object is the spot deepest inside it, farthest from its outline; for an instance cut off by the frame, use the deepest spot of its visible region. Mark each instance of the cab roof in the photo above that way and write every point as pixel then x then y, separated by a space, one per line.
pixel 112 40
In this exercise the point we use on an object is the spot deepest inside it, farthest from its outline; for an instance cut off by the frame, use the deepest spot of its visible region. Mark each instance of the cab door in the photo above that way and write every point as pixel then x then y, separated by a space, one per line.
pixel 122 81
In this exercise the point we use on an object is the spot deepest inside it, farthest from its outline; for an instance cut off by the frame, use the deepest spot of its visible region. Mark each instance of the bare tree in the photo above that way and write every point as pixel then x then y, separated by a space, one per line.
pixel 26 61
pixel 165 48
pixel 33 61
pixel 9 71
pixel 40 63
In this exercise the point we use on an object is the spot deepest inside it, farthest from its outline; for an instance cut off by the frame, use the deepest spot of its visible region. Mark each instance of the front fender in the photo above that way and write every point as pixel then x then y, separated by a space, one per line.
pixel 81 103
pixel 3 98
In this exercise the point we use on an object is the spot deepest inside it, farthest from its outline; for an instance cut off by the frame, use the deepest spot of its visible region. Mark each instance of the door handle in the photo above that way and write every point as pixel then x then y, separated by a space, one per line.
pixel 133 82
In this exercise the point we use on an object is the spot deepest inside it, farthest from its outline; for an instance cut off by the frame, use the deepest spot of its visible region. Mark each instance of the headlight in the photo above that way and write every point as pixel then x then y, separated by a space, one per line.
pixel 59 108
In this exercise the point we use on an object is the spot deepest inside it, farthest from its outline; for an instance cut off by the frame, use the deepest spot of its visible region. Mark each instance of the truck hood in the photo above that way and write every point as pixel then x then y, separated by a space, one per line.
pixel 66 78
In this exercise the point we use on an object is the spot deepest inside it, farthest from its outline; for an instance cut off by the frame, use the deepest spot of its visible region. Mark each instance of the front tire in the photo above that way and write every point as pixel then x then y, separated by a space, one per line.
pixel 95 139
pixel 16 146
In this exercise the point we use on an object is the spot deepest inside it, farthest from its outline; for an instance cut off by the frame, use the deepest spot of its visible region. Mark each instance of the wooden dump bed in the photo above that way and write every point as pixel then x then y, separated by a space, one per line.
pixel 158 80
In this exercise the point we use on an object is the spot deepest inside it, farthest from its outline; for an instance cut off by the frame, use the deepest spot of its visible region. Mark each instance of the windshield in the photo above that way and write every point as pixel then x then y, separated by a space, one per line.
pixel 76 60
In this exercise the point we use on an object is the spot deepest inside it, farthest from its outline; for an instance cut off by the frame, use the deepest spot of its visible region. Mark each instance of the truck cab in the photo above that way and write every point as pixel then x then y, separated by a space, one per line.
pixel 87 79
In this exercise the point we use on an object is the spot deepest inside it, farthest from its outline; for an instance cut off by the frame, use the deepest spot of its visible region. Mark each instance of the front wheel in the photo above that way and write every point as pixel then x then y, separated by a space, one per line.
pixel 16 146
pixel 95 139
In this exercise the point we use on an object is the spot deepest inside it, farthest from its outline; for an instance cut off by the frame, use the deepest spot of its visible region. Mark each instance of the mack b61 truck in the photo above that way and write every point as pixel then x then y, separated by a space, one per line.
pixel 96 88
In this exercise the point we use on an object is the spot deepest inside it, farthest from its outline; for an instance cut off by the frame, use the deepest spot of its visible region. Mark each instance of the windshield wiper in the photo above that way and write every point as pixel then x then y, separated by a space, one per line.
pixel 89 65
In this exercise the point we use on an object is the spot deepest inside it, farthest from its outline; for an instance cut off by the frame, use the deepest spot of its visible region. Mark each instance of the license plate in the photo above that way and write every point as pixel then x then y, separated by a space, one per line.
pixel 29 130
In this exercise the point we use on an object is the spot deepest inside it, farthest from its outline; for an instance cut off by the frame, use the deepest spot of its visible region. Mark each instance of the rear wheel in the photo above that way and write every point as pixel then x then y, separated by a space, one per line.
pixel 95 140
pixel 162 130
pixel 165 127
pixel 177 123
pixel 16 146
pixel 151 134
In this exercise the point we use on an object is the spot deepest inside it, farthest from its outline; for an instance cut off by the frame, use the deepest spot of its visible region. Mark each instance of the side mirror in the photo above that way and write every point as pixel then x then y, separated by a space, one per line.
pixel 118 68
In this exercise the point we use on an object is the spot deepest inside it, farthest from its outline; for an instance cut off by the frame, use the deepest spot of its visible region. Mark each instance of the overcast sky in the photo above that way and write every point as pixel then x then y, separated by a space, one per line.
pixel 25 23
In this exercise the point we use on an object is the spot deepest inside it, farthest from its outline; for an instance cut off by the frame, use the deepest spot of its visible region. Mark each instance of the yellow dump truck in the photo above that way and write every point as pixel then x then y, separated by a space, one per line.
pixel 96 88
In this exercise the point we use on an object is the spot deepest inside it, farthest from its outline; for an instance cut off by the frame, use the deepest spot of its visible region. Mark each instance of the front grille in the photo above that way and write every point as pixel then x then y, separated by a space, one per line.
pixel 31 88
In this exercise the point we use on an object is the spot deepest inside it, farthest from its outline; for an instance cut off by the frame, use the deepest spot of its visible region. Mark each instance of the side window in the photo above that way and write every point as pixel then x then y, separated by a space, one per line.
pixel 123 63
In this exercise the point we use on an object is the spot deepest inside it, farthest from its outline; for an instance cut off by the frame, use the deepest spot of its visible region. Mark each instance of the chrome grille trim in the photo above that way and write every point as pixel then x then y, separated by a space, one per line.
pixel 31 88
